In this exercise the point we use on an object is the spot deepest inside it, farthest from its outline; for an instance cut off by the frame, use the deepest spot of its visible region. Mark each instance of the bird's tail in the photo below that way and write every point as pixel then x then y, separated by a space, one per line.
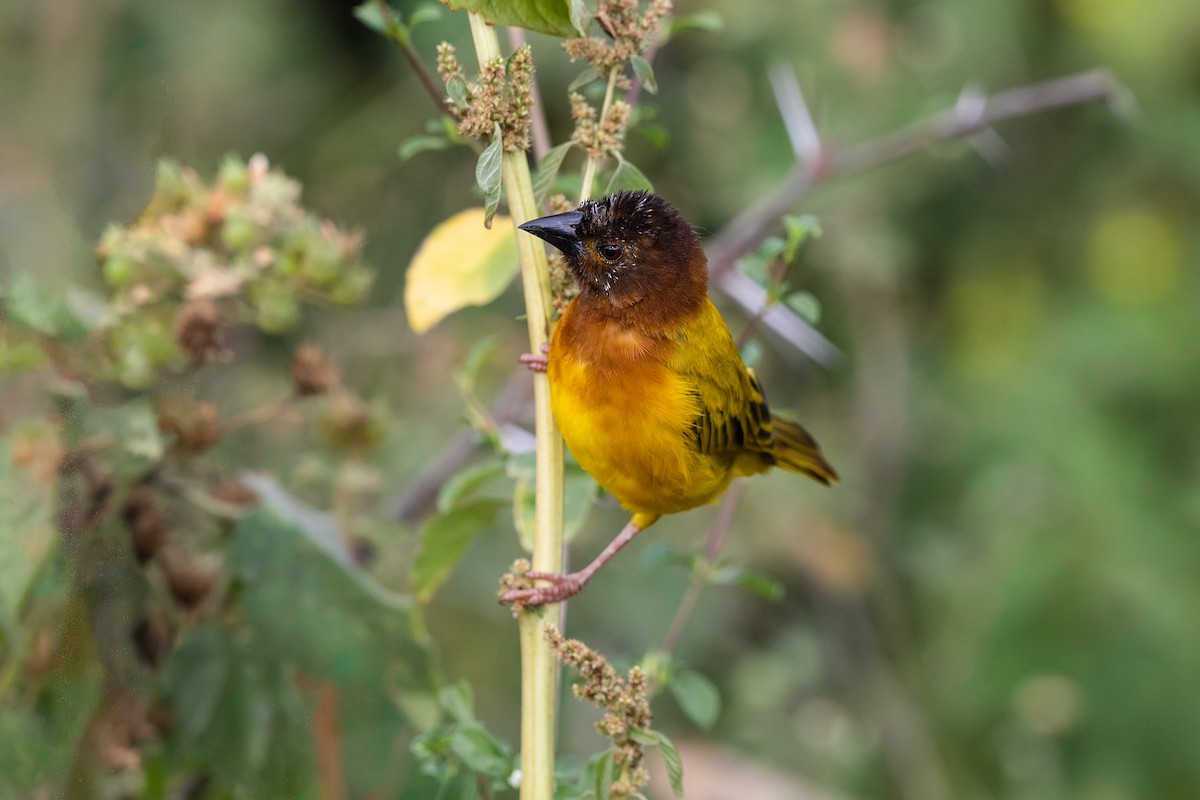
pixel 794 448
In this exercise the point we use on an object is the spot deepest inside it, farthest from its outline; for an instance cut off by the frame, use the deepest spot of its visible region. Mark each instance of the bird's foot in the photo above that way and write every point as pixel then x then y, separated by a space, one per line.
pixel 561 587
pixel 537 362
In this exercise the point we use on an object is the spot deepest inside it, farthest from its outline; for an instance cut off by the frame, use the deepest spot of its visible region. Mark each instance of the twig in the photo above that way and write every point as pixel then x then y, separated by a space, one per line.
pixel 414 60
pixel 797 119
pixel 700 579
pixel 749 228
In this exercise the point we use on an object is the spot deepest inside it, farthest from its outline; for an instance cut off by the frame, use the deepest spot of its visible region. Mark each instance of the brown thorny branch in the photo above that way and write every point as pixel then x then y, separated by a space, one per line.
pixel 819 163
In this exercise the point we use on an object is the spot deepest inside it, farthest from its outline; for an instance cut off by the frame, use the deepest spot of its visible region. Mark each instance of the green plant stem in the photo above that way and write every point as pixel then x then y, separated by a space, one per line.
pixel 539 668
pixel 593 162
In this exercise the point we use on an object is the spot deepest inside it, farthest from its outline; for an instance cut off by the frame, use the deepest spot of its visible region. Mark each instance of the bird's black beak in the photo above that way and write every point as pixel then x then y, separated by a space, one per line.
pixel 558 230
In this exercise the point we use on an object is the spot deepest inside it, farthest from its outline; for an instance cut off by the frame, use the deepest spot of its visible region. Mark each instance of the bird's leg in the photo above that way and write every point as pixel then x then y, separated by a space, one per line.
pixel 563 586
pixel 537 362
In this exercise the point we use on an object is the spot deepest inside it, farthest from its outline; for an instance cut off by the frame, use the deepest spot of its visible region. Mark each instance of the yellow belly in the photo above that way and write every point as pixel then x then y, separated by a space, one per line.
pixel 627 421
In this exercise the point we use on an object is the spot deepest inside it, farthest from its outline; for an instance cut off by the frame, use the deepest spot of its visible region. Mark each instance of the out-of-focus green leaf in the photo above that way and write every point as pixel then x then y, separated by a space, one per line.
pixel 487 175
pixel 754 268
pixel 464 484
pixel 661 554
pixel 544 16
pixel 579 494
pixel 28 470
pixel 799 229
pixel 583 79
pixel 235 706
pixel 477 356
pixel 422 143
pixel 697 697
pixel 134 428
pixel 323 613
pixel 461 263
pixel 45 311
pixel 444 541
pixel 385 21
pixel 628 177
pixel 645 74
pixel 706 20
pixel 750 580
pixel 458 700
pixel 581 16
pixel 430 12
pixel 670 755
pixel 547 171
pixel 806 305
pixel 603 772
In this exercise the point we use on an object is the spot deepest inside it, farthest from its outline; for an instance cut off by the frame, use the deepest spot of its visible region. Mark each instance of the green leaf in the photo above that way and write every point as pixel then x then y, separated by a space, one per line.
pixel 581 16
pixel 28 478
pixel 603 772
pixel 771 247
pixel 707 20
pixel 644 73
pixel 579 495
pixel 481 752
pixel 697 697
pixel 544 16
pixel 444 541
pixel 656 134
pixel 750 580
pixel 754 268
pixel 235 705
pixel 41 309
pixel 421 144
pixel 752 353
pixel 385 21
pixel 426 13
pixel 799 229
pixel 487 175
pixel 17 357
pixel 458 700
pixel 461 263
pixel 628 177
pixel 134 427
pixel 806 305
pixel 583 79
pixel 466 375
pixel 660 554
pixel 312 607
pixel 467 482
pixel 547 171
pixel 670 755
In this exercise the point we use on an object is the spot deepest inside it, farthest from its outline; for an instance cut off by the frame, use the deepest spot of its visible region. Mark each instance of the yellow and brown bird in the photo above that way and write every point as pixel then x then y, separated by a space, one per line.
pixel 646 383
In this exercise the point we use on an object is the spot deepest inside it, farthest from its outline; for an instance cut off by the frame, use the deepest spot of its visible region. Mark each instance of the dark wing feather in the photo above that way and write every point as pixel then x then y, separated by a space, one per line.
pixel 732 414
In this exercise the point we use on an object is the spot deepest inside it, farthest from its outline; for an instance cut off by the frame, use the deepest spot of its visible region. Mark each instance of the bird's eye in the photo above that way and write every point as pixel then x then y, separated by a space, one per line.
pixel 610 251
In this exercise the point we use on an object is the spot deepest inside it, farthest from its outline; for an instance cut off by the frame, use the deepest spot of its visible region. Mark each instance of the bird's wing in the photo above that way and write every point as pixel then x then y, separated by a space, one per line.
pixel 732 414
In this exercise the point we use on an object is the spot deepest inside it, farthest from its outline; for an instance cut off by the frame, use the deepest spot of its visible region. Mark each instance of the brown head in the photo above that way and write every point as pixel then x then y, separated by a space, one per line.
pixel 632 253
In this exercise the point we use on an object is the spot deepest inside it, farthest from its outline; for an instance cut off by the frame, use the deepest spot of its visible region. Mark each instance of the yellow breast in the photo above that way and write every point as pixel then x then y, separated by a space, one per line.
pixel 627 418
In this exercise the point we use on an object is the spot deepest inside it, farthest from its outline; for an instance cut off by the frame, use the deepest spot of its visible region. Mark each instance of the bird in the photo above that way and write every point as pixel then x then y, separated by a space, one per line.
pixel 646 382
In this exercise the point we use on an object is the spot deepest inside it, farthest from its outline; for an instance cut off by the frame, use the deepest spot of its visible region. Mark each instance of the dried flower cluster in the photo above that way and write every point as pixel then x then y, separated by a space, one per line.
pixel 239 249
pixel 626 706
pixel 599 138
pixel 502 96
pixel 629 31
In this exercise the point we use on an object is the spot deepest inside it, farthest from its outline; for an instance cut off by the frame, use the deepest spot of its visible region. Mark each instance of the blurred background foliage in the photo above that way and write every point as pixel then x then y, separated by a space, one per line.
pixel 998 602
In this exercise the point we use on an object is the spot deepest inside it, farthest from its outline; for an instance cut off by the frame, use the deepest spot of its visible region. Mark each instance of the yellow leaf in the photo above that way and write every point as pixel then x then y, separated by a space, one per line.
pixel 460 263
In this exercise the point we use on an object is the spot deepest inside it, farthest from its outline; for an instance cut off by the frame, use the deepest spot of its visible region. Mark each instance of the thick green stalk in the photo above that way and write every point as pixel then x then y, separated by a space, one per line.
pixel 539 668
pixel 593 163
